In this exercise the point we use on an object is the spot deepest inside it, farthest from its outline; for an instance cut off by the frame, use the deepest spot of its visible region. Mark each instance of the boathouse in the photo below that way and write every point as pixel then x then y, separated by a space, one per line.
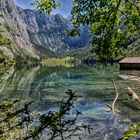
pixel 130 63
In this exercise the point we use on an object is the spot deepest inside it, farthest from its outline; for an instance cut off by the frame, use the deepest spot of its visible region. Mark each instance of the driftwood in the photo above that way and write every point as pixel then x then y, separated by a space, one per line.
pixel 133 94
pixel 130 93
pixel 117 94
pixel 112 107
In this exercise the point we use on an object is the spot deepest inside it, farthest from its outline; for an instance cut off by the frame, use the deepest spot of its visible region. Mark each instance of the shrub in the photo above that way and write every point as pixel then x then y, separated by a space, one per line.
pixel 4 40
pixel 2 59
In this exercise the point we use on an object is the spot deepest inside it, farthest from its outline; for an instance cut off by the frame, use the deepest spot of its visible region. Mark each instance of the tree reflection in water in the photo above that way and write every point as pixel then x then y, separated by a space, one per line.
pixel 19 122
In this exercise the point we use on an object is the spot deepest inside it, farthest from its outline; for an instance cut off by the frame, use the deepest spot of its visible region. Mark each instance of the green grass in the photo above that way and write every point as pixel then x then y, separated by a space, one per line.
pixel 53 62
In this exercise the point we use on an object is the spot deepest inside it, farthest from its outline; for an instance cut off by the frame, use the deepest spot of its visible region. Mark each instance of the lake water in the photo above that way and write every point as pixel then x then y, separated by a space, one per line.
pixel 47 86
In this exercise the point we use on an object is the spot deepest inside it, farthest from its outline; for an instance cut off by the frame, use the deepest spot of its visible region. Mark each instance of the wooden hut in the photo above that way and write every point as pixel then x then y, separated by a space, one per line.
pixel 130 63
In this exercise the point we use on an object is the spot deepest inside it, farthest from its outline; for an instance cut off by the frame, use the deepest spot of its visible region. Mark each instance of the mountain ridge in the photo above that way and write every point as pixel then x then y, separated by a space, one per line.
pixel 48 31
pixel 25 36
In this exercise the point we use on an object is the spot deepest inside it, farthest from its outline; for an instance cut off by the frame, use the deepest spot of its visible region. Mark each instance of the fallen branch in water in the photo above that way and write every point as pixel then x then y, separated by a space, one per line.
pixel 133 94
pixel 112 107
pixel 117 94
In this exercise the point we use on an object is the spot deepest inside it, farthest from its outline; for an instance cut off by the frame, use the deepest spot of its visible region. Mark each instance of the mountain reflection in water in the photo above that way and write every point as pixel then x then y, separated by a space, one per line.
pixel 46 86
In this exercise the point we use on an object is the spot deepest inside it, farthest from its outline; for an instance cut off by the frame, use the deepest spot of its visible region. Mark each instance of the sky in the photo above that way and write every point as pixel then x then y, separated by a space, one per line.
pixel 65 8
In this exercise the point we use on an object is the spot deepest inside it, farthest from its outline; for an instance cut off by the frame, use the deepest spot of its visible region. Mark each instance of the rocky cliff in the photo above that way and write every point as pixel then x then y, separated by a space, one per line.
pixel 24 34
pixel 14 38
pixel 48 31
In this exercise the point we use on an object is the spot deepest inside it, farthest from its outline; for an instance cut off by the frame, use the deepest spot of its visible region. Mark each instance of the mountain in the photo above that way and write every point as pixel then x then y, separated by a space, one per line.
pixel 48 31
pixel 25 35
pixel 14 38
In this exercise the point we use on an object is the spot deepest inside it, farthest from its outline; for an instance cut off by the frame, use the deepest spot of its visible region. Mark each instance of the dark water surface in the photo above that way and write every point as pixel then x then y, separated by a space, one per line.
pixel 47 85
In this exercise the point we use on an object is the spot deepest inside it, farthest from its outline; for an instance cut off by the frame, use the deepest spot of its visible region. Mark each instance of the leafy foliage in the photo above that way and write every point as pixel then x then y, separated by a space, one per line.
pixel 24 124
pixel 111 23
pixel 133 48
pixel 4 40
pixel 2 59
pixel 45 5
pixel 133 130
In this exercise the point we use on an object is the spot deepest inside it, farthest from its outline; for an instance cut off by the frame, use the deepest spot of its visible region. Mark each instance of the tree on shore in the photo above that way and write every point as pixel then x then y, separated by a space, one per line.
pixel 111 22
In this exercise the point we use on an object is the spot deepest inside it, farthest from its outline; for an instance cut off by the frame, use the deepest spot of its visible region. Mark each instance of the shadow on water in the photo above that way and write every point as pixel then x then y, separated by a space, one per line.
pixel 47 85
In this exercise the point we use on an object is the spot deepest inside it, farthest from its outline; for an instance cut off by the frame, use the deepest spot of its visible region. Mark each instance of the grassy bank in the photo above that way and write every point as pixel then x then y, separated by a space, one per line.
pixel 53 62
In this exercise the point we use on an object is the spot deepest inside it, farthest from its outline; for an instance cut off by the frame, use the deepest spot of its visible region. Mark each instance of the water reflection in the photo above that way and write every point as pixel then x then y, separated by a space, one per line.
pixel 47 86
pixel 49 82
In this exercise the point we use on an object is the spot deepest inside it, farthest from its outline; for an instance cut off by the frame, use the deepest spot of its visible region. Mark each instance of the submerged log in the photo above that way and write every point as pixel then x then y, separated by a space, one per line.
pixel 130 77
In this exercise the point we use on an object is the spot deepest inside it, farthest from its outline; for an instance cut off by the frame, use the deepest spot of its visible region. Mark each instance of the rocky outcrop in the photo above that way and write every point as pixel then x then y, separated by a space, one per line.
pixel 24 34
pixel 14 28
pixel 48 31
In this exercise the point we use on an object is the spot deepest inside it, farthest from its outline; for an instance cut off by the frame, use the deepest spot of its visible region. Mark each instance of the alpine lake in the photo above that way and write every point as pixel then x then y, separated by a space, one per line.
pixel 47 85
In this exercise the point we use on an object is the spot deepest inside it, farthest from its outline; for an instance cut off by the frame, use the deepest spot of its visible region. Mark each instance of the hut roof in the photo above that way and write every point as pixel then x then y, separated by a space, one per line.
pixel 131 60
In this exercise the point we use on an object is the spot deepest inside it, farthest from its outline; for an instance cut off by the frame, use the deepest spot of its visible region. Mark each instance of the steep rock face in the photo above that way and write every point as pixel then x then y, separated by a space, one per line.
pixel 25 34
pixel 48 31
pixel 13 27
